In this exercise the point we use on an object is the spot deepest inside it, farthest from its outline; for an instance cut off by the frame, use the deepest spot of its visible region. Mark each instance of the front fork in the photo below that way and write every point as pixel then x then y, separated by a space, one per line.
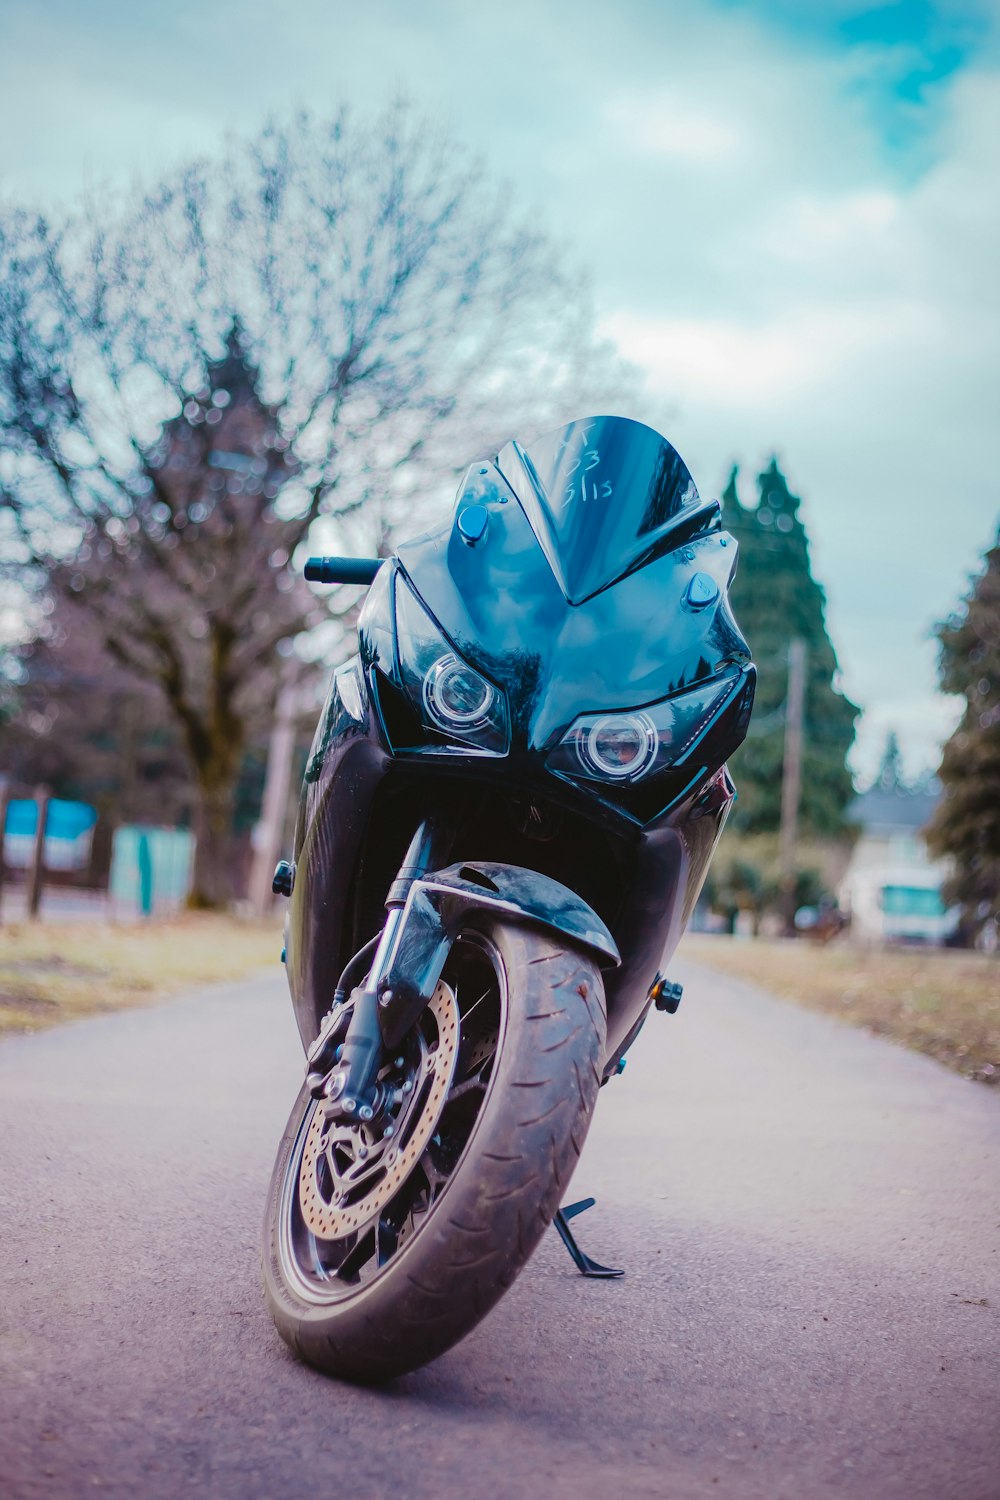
pixel 346 1076
pixel 406 966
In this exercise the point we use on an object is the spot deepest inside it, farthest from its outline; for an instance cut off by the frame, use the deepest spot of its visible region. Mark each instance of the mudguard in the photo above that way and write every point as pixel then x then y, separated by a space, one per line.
pixel 438 905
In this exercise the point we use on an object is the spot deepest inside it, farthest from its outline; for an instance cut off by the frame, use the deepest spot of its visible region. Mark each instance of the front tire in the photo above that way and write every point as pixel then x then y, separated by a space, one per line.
pixel 458 1238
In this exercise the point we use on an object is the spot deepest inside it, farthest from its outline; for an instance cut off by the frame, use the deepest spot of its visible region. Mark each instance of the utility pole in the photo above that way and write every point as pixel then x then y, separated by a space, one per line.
pixel 791 780
pixel 36 875
pixel 6 791
pixel 270 830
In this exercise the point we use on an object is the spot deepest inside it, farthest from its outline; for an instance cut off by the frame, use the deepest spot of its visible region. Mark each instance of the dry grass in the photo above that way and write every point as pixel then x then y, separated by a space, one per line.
pixel 58 971
pixel 942 1002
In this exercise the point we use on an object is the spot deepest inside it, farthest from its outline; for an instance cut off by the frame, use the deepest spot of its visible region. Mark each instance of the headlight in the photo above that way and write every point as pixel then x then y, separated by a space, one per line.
pixel 450 696
pixel 622 746
pixel 455 696
pixel 628 747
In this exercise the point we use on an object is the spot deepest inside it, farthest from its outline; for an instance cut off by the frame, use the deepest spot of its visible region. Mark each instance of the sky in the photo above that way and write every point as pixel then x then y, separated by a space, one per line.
pixel 790 212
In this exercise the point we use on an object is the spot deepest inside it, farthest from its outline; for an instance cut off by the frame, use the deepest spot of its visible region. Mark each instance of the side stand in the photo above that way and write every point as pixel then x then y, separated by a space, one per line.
pixel 582 1261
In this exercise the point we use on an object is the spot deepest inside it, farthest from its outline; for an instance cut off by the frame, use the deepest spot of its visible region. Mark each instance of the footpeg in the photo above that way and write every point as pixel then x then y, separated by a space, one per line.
pixel 581 1260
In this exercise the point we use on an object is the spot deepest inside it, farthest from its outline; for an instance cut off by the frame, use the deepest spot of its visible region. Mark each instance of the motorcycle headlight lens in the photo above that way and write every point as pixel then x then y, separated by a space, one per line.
pixel 621 746
pixel 450 696
pixel 629 746
pixel 455 695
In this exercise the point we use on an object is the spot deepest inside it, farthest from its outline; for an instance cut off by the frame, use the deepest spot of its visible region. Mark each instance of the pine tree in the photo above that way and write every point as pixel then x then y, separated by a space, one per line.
pixel 966 824
pixel 189 596
pixel 403 318
pixel 776 599
pixel 890 777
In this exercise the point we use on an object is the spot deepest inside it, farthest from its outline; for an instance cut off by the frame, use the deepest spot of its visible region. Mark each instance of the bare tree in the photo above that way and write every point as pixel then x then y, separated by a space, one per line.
pixel 72 720
pixel 397 319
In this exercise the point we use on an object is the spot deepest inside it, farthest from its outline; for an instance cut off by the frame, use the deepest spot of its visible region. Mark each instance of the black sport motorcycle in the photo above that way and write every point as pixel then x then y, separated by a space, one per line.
pixel 508 812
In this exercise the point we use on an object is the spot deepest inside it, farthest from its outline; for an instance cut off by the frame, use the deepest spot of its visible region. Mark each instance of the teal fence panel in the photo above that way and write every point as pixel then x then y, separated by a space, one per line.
pixel 151 867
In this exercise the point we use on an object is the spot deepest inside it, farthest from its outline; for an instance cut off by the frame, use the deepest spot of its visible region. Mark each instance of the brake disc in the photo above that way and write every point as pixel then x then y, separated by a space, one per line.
pixel 350 1172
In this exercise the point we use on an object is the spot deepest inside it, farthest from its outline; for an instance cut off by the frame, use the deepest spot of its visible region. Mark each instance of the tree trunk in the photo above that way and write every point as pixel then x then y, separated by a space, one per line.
pixel 212 884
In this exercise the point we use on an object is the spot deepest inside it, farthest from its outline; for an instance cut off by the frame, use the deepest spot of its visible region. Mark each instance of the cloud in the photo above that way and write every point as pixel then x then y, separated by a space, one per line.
pixel 756 367
pixel 854 325
pixel 799 246
pixel 674 131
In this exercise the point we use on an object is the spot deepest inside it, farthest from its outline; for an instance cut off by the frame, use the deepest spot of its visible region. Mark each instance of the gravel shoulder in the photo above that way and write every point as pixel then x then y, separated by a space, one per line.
pixel 51 972
pixel 942 1002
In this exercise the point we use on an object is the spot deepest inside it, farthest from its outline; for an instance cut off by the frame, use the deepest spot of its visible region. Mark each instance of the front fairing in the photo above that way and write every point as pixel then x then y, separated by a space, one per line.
pixel 637 854
pixel 632 643
pixel 603 497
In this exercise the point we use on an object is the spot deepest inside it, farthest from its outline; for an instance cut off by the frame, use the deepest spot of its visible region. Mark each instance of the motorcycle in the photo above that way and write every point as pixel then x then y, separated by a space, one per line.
pixel 507 814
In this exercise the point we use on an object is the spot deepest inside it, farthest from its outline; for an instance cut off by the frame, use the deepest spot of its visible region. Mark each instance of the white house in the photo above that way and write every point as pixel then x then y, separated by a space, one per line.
pixel 892 887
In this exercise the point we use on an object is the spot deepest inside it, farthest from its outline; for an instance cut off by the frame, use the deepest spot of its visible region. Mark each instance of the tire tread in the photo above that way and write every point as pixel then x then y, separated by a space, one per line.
pixel 508 1184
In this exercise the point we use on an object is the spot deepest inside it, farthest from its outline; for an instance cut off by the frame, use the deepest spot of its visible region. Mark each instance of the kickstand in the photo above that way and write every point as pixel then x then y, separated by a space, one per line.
pixel 582 1261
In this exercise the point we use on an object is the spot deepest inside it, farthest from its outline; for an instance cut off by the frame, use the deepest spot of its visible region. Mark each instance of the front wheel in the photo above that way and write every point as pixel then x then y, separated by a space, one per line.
pixel 385 1243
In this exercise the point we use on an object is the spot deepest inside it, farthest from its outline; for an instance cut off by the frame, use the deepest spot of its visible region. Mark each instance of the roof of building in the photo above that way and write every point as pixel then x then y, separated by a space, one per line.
pixel 893 809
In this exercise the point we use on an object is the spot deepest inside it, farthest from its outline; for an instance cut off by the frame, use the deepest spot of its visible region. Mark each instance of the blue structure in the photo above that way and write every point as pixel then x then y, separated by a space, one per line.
pixel 151 867
pixel 69 829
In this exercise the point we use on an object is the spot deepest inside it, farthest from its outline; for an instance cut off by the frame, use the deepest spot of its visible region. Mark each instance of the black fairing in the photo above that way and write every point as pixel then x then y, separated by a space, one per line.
pixel 570 601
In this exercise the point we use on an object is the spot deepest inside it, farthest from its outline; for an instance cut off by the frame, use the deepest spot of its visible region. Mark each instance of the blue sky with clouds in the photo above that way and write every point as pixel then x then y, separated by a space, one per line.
pixel 790 210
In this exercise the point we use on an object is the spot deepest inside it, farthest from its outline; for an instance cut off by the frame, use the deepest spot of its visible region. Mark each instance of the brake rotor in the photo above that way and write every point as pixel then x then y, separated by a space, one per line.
pixel 329 1198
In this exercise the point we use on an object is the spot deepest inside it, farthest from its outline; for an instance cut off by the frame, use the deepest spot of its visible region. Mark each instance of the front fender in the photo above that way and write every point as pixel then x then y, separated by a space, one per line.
pixel 438 903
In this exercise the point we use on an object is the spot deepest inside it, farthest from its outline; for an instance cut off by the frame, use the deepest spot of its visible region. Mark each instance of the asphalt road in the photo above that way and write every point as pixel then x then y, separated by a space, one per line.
pixel 808 1217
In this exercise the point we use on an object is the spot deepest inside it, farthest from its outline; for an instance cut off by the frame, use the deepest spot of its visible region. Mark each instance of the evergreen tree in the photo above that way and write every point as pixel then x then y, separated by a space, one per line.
pixel 776 599
pixel 966 824
pixel 393 316
pixel 890 777
pixel 168 620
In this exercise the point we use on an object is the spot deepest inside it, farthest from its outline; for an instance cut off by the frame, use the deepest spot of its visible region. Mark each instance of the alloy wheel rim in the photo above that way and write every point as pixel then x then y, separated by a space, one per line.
pixel 327 1272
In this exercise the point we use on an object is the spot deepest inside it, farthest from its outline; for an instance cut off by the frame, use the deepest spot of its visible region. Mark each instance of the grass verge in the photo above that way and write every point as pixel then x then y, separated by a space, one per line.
pixel 942 1002
pixel 58 971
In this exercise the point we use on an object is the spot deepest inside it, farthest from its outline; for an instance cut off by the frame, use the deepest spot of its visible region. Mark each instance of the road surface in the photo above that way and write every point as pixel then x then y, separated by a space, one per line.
pixel 808 1217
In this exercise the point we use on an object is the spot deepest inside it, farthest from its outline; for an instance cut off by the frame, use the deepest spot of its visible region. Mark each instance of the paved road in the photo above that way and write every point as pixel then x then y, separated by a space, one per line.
pixel 809 1219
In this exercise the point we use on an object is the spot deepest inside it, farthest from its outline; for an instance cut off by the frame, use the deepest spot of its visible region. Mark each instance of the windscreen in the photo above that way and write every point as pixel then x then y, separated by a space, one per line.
pixel 598 494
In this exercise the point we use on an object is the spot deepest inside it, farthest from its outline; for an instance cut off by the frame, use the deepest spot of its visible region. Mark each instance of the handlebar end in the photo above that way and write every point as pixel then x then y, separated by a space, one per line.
pixel 342 569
